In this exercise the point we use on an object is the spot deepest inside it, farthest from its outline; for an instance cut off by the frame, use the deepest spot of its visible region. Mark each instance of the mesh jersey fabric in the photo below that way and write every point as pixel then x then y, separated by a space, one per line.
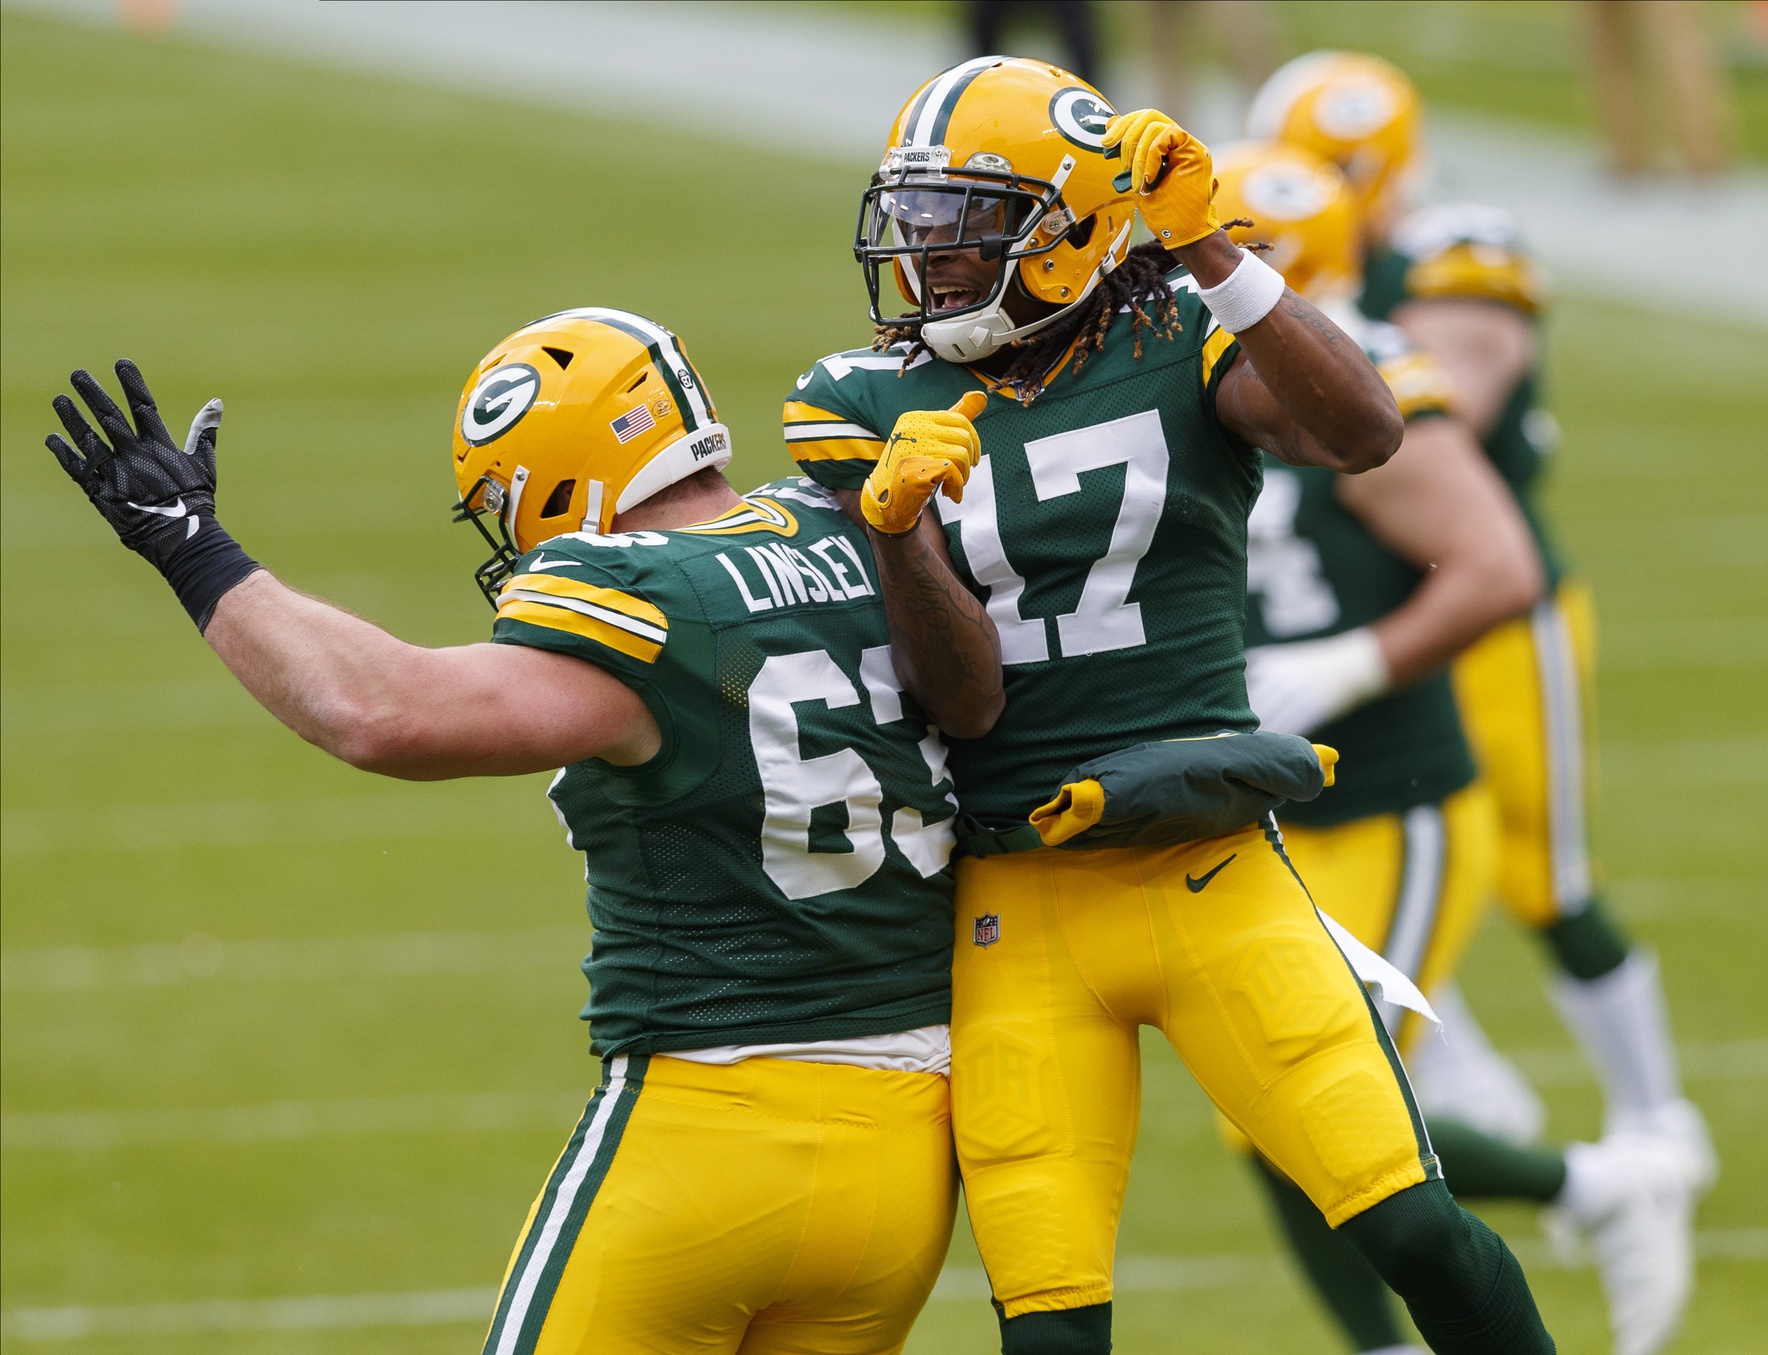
pixel 1106 528
pixel 778 871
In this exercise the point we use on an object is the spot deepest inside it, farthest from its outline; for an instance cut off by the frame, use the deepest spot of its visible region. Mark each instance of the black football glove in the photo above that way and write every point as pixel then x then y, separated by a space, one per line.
pixel 158 497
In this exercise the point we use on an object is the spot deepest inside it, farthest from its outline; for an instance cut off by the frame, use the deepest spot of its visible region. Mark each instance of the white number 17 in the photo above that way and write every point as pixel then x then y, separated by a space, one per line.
pixel 1104 618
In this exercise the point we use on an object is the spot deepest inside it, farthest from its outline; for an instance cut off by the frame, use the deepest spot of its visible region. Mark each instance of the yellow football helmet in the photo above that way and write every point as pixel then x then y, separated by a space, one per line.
pixel 1358 111
pixel 1301 205
pixel 1004 156
pixel 572 419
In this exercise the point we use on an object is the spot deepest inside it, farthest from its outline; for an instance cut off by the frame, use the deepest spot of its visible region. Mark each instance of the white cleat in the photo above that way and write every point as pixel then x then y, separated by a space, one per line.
pixel 1679 1124
pixel 1458 1075
pixel 1632 1198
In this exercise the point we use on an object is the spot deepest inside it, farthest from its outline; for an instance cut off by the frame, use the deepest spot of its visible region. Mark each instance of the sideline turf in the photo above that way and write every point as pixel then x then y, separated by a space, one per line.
pixel 331 255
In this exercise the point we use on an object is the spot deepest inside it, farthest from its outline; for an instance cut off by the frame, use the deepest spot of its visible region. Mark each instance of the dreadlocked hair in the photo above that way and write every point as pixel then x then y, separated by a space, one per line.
pixel 1138 283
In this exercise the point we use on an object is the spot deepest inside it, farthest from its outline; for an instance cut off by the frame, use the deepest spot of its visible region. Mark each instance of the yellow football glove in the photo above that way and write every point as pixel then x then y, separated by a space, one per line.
pixel 928 449
pixel 1170 172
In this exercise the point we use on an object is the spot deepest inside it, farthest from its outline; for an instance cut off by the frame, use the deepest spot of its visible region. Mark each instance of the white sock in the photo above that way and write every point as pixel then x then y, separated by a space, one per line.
pixel 1621 1022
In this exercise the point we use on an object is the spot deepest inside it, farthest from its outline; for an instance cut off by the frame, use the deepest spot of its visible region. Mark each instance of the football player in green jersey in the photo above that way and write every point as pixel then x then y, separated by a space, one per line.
pixel 1458 280
pixel 761 800
pixel 1106 528
pixel 1361 591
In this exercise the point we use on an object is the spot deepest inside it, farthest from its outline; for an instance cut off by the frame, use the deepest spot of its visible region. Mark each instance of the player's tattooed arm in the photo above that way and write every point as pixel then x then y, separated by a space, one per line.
pixel 943 642
pixel 1299 387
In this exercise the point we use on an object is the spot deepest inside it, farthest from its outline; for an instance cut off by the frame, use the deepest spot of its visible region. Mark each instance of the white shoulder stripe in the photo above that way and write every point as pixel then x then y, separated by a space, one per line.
pixel 816 432
pixel 632 625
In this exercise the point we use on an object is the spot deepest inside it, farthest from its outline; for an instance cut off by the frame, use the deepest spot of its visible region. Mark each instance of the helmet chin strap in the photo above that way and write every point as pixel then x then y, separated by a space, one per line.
pixel 972 337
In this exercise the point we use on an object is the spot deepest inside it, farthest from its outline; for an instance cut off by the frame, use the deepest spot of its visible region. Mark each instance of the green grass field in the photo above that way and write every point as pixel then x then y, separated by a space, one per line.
pixel 273 1028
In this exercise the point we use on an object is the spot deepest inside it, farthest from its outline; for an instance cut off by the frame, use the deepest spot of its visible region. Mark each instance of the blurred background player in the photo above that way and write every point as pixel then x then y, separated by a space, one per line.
pixel 1458 281
pixel 1362 589
pixel 1106 528
pixel 767 1161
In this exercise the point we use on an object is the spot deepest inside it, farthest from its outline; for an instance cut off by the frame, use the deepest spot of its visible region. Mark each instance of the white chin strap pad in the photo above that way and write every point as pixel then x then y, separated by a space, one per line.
pixel 688 454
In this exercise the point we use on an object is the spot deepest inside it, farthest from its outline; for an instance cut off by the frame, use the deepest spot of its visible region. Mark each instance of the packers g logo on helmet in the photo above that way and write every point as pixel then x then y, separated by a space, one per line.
pixel 1081 116
pixel 572 420
pixel 498 402
pixel 1003 157
pixel 1356 110
pixel 1301 206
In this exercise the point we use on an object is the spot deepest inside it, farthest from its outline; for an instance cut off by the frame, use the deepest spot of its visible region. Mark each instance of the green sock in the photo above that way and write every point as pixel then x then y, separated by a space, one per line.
pixel 1477 1166
pixel 1464 1289
pixel 1589 943
pixel 1073 1331
pixel 1343 1279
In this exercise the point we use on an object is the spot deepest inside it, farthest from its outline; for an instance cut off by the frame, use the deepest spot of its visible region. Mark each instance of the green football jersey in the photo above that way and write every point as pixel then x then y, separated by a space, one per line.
pixel 1313 570
pixel 1476 253
pixel 1105 527
pixel 779 870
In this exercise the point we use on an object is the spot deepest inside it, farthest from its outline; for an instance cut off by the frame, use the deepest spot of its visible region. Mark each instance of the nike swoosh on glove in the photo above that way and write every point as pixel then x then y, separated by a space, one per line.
pixel 158 497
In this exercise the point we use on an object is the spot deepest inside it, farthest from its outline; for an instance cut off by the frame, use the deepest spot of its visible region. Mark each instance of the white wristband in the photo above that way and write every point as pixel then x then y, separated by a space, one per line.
pixel 1245 296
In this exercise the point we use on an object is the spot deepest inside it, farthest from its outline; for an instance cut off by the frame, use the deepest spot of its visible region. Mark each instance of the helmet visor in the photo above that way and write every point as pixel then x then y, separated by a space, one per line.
pixel 909 221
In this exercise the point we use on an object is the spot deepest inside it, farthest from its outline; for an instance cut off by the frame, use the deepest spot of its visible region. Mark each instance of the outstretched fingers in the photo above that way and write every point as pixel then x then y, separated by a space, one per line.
pixel 71 461
pixel 85 438
pixel 148 423
pixel 103 408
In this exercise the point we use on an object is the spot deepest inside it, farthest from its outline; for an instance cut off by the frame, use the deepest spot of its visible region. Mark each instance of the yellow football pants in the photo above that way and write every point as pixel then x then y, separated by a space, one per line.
pixel 1526 695
pixel 1412 887
pixel 1062 955
pixel 766 1207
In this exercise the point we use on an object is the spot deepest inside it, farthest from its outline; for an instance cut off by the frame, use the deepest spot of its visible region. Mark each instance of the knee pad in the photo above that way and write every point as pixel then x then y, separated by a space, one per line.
pixel 1073 1331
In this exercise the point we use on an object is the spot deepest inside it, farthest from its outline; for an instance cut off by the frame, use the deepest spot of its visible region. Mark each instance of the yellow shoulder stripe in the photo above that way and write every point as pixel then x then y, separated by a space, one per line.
pixel 754 514
pixel 620 621
pixel 796 411
pixel 1419 384
pixel 1213 348
pixel 838 449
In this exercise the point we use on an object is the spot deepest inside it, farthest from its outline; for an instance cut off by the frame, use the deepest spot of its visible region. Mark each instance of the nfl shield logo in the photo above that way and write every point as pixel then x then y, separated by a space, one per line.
pixel 988 929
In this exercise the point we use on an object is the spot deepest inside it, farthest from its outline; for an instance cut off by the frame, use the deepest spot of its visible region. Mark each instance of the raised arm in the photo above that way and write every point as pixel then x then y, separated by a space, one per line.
pixel 336 680
pixel 1299 387
pixel 421 714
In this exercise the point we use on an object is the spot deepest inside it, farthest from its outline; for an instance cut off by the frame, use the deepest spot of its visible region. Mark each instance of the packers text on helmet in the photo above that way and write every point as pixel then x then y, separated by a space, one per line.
pixel 572 419
pixel 1005 157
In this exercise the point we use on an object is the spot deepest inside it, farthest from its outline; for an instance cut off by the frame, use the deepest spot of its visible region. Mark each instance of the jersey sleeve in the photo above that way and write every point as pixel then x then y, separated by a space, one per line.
pixel 611 611
pixel 1219 346
pixel 829 431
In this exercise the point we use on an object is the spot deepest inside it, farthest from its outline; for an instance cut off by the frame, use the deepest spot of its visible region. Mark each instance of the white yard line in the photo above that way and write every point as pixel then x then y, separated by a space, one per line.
pixel 821 82
pixel 439 1307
